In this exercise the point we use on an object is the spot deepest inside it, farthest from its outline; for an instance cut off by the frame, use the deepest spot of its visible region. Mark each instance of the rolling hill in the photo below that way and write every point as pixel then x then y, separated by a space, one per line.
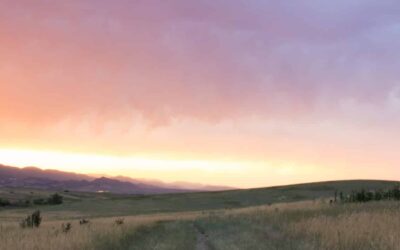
pixel 207 220
pixel 109 204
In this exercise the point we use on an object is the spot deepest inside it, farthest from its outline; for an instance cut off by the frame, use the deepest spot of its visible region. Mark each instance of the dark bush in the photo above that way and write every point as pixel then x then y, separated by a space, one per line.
pixel 396 192
pixel 4 203
pixel 378 195
pixel 66 227
pixel 83 221
pixel 119 221
pixel 373 195
pixel 32 220
pixel 55 199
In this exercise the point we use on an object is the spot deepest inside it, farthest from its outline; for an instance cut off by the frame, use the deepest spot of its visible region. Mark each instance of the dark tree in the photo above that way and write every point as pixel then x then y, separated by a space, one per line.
pixel 4 202
pixel 55 199
pixel 396 192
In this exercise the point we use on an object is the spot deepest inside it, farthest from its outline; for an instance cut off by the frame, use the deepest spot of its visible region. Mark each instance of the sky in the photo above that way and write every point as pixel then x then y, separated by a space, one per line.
pixel 242 93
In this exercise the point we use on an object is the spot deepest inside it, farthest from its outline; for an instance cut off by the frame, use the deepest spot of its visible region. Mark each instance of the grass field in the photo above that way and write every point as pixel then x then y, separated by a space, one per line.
pixel 290 217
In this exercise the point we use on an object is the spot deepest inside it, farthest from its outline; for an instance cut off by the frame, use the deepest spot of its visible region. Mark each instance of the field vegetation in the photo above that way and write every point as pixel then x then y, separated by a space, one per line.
pixel 218 220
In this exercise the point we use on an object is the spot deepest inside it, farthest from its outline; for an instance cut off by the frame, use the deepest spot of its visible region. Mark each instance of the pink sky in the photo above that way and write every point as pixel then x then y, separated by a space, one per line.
pixel 241 93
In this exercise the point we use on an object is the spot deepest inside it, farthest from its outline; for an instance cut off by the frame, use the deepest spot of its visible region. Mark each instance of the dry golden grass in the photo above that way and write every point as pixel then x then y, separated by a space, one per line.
pixel 50 236
pixel 307 225
pixel 351 230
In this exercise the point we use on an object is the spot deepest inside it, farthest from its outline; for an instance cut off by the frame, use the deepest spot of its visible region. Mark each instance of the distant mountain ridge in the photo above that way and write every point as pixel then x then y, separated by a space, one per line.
pixel 34 172
pixel 32 177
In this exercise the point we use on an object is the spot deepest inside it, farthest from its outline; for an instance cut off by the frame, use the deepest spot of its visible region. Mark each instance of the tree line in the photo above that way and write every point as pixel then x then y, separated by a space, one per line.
pixel 364 195
pixel 54 199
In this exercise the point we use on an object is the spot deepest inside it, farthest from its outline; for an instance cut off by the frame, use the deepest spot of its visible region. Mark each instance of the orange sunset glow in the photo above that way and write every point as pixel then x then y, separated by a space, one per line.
pixel 241 94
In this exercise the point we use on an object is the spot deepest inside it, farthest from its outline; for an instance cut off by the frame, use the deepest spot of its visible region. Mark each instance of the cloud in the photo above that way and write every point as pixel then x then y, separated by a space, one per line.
pixel 206 60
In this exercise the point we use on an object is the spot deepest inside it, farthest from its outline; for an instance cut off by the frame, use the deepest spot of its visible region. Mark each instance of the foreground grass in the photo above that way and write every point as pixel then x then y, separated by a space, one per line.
pixel 100 233
pixel 159 235
pixel 302 226
pixel 361 226
pixel 308 225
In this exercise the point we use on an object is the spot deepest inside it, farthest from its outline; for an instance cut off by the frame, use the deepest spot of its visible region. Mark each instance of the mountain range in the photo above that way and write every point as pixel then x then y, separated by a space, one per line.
pixel 33 177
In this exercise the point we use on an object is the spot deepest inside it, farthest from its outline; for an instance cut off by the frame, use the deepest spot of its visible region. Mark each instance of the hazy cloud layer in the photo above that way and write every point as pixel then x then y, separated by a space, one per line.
pixel 209 60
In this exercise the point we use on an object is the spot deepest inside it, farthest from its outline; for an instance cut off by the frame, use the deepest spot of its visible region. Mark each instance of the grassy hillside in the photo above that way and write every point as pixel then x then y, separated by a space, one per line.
pixel 286 217
pixel 79 204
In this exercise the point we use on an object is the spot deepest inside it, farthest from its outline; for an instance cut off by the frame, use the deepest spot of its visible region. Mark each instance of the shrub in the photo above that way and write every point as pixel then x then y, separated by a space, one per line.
pixel 4 202
pixel 55 199
pixel 66 227
pixel 396 192
pixel 32 220
pixel 376 195
pixel 83 221
pixel 119 221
